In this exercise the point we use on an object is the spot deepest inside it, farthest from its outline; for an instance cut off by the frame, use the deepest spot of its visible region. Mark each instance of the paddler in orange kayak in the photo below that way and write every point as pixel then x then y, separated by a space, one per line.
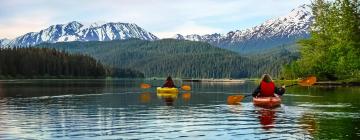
pixel 169 83
pixel 267 88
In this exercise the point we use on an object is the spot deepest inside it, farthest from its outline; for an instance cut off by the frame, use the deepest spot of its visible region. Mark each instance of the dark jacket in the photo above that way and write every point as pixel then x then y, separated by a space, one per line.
pixel 169 84
pixel 279 91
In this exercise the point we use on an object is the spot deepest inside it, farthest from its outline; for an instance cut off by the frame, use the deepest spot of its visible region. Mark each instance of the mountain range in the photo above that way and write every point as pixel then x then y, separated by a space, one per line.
pixel 279 31
pixel 274 32
pixel 76 31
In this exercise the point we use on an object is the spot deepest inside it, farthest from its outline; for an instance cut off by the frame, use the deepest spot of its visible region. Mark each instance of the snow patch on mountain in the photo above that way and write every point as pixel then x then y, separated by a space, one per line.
pixel 4 42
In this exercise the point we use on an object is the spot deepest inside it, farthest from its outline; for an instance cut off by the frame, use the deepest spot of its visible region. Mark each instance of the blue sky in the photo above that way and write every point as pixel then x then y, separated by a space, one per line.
pixel 164 18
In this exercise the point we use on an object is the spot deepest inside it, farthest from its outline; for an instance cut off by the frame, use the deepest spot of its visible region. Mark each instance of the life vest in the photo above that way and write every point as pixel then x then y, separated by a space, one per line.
pixel 267 89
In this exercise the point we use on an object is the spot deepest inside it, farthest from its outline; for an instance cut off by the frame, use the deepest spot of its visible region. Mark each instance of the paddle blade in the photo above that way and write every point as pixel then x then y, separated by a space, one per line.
pixel 144 86
pixel 186 87
pixel 309 81
pixel 234 99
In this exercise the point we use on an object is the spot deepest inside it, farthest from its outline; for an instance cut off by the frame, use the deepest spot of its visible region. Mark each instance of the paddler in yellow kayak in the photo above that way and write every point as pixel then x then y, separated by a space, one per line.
pixel 169 83
pixel 267 88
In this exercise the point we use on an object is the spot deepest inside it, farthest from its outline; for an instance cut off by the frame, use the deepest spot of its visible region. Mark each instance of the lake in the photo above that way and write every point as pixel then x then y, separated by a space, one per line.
pixel 119 109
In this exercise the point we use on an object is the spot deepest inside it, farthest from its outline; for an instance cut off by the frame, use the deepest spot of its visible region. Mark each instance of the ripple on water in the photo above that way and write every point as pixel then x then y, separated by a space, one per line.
pixel 325 105
pixel 95 117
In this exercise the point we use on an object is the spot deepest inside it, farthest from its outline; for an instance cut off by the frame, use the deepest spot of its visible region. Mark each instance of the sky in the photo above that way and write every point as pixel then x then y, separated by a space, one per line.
pixel 164 18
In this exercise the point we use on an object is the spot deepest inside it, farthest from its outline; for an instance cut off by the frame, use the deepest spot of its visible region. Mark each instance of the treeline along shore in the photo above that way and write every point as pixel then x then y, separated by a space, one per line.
pixel 32 62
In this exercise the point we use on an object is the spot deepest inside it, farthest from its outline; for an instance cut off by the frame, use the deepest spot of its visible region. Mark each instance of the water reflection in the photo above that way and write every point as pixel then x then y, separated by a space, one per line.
pixel 121 110
pixel 168 98
pixel 186 96
pixel 267 118
pixel 2 93
pixel 308 123
pixel 236 109
pixel 38 88
pixel 145 97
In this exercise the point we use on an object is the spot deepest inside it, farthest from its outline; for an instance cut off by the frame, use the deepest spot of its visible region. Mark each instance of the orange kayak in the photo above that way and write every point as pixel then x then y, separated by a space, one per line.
pixel 268 102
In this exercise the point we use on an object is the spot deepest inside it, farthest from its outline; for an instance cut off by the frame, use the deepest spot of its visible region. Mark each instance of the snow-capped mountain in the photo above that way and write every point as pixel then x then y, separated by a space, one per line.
pixel 210 38
pixel 274 32
pixel 75 31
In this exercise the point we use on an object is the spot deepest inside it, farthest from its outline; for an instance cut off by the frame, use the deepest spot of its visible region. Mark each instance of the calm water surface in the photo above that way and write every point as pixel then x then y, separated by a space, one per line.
pixel 119 109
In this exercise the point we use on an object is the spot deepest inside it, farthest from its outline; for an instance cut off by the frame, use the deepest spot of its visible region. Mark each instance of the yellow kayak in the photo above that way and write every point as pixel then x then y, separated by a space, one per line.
pixel 167 95
pixel 166 90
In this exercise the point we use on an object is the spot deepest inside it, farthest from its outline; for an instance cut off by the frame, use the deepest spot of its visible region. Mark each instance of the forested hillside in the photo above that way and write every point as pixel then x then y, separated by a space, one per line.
pixel 43 62
pixel 273 60
pixel 51 63
pixel 186 59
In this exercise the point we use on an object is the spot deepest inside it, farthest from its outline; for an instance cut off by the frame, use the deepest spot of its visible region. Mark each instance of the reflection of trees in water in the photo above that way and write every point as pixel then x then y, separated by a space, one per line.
pixel 308 123
pixel 36 88
pixel 66 104
pixel 2 94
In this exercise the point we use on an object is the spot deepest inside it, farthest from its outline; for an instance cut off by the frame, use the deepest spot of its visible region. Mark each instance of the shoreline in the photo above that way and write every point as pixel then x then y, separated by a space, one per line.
pixel 215 80
pixel 64 79
pixel 336 83
pixel 205 80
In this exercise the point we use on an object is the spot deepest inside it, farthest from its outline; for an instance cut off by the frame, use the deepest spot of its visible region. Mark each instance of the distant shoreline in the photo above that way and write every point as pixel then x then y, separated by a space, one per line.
pixel 215 80
pixel 205 80
pixel 336 83
pixel 318 83
pixel 74 78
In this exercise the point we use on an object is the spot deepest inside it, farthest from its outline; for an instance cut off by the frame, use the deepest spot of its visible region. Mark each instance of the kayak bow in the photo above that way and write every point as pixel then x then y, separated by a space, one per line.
pixel 268 102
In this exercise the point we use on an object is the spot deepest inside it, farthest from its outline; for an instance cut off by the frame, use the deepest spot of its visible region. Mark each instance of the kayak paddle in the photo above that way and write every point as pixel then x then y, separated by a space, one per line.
pixel 308 81
pixel 145 86
pixel 235 99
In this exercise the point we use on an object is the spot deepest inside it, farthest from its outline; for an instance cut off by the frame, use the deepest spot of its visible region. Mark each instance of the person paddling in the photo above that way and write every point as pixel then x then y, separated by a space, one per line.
pixel 267 88
pixel 169 83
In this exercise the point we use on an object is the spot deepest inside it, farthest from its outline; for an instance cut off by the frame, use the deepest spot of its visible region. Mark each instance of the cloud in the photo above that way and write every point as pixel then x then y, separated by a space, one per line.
pixel 24 24
pixel 158 16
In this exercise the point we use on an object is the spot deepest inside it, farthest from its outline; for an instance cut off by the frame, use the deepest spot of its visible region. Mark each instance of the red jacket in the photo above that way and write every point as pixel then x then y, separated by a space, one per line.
pixel 267 90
